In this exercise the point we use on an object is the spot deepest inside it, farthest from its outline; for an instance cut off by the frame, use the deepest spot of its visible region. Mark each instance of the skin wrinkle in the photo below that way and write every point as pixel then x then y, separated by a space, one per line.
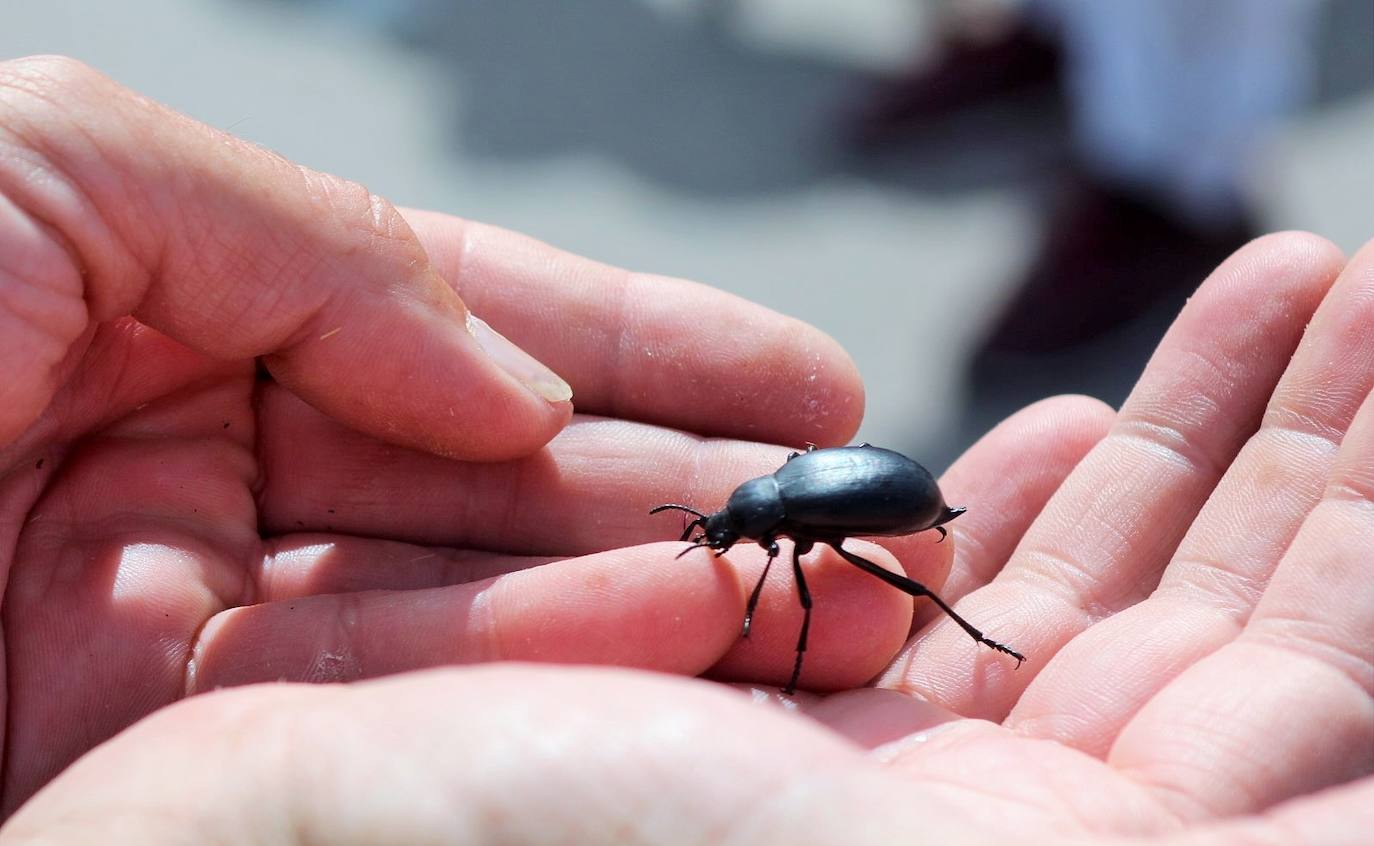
pixel 1229 591
pixel 483 622
pixel 511 509
pixel 621 284
pixel 971 547
pixel 1351 490
pixel 51 242
pixel 59 332
pixel 220 261
pixel 1325 440
pixel 1061 577
pixel 1284 417
pixel 75 76
pixel 1183 770
pixel 1282 634
pixel 1171 443
pixel 343 660
pixel 461 232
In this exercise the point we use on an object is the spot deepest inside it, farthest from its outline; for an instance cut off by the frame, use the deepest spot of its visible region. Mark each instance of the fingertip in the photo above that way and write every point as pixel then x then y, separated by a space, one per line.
pixel 1296 246
pixel 1075 421
pixel 634 607
pixel 416 371
pixel 1289 269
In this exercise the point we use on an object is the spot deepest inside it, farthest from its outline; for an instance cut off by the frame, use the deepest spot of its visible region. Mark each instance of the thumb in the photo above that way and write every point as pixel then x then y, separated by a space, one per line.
pixel 112 205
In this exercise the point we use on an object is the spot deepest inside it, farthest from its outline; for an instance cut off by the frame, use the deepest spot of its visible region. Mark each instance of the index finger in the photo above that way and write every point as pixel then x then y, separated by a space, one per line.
pixel 651 348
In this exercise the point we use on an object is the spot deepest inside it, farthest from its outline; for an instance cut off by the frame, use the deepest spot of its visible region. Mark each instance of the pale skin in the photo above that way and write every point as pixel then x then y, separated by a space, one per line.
pixel 1189 578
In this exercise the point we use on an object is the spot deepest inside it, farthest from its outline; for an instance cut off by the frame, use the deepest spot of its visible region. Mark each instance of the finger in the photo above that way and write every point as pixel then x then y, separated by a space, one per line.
pixel 589 491
pixel 632 607
pixel 652 348
pixel 1223 564
pixel 464 755
pixel 1104 538
pixel 858 624
pixel 116 206
pixel 1288 707
pixel 296 566
pixel 1006 478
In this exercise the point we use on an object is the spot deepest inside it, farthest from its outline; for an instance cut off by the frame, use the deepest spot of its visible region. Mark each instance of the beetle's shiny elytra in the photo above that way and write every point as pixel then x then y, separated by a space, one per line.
pixel 828 496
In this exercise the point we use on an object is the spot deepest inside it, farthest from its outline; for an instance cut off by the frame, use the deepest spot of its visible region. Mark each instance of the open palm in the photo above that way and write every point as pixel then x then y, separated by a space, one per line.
pixel 1194 598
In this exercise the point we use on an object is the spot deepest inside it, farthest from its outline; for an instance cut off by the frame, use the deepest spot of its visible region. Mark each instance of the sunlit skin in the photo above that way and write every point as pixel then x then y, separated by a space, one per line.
pixel 1189 577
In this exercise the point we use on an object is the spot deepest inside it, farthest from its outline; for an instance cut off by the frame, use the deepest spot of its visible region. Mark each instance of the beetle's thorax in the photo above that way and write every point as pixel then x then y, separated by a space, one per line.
pixel 755 508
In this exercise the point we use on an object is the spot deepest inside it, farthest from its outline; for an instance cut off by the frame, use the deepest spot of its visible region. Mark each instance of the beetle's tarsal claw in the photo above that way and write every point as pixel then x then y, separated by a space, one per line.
pixel 943 533
pixel 1007 650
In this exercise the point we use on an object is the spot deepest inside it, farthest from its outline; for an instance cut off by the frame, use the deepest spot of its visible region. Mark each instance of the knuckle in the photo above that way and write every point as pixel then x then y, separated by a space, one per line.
pixel 360 212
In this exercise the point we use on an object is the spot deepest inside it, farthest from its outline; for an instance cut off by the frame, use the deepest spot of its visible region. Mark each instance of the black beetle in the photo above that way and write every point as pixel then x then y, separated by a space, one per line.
pixel 827 496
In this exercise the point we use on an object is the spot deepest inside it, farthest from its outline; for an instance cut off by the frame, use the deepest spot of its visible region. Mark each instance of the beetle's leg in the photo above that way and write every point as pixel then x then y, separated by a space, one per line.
pixel 772 547
pixel 804 594
pixel 917 589
pixel 943 533
pixel 865 444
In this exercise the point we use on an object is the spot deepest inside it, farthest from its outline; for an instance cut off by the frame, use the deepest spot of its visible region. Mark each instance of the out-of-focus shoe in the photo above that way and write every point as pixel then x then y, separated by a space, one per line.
pixel 970 71
pixel 1107 257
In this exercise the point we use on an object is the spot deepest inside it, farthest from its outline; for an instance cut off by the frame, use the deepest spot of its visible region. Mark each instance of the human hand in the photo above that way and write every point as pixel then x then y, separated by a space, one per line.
pixel 172 521
pixel 1194 600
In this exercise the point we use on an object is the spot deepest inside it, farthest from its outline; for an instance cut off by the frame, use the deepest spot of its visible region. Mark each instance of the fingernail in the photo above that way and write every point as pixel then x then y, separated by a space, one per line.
pixel 524 367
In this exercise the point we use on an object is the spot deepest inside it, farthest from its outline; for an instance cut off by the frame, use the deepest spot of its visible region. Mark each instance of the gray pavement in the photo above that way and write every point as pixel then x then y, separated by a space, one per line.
pixel 686 138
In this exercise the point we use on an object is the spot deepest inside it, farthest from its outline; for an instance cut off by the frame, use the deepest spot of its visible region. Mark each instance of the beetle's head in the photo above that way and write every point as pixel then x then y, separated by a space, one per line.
pixel 717 532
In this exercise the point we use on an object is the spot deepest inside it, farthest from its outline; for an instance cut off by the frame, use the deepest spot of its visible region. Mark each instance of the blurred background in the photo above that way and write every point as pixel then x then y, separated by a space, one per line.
pixel 985 201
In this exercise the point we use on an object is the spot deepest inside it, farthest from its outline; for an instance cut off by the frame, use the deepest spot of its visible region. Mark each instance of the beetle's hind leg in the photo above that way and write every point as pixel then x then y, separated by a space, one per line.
pixel 917 589
pixel 804 594
pixel 772 546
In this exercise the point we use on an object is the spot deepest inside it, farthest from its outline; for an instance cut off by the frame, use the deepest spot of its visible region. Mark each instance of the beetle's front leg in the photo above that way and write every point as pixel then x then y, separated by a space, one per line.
pixel 770 544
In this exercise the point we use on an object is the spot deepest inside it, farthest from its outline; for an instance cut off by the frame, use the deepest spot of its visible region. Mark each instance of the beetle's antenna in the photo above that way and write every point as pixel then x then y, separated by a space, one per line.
pixel 666 506
pixel 687 529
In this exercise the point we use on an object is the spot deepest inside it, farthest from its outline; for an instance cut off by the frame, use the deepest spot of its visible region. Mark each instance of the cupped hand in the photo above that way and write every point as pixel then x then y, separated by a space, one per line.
pixel 1195 600
pixel 252 428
